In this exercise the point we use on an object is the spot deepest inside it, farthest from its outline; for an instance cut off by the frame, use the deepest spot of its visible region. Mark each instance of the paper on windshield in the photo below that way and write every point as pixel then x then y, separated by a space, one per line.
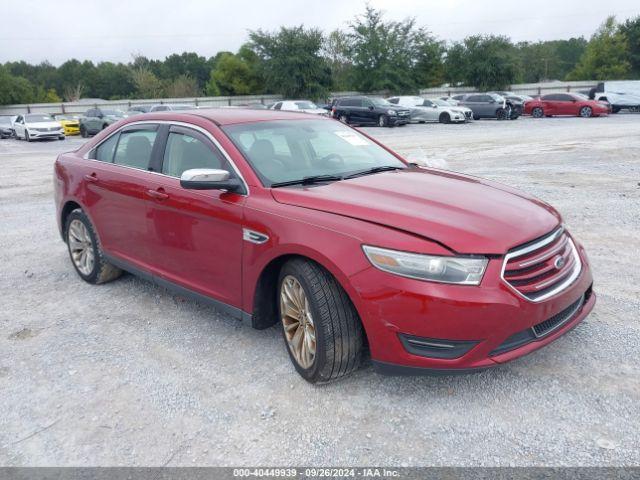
pixel 353 138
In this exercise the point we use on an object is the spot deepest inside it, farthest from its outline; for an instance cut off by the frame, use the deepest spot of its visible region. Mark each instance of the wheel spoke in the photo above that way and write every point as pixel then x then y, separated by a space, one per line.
pixel 297 321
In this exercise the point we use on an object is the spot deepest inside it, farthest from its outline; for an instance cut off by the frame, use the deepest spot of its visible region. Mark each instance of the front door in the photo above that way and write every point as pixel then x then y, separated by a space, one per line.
pixel 196 235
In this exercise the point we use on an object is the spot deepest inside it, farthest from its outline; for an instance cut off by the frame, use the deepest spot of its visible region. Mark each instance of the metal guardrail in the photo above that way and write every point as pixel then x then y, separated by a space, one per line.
pixel 83 105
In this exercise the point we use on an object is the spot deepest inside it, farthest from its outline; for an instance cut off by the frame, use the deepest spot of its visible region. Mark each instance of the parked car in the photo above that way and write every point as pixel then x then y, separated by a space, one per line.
pixel 140 108
pixel 97 119
pixel 489 105
pixel 619 101
pixel 432 110
pixel 305 106
pixel 70 123
pixel 6 126
pixel 369 111
pixel 574 104
pixel 171 107
pixel 301 220
pixel 519 97
pixel 37 126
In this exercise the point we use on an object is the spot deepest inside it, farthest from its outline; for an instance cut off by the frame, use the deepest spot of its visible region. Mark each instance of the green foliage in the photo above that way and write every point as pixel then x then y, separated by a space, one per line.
pixel 234 75
pixel 631 32
pixel 550 60
pixel 606 55
pixel 13 89
pixel 183 86
pixel 147 85
pixel 291 62
pixel 393 56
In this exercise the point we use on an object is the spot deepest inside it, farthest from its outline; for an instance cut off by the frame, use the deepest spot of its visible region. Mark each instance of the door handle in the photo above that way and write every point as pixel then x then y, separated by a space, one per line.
pixel 157 194
pixel 91 178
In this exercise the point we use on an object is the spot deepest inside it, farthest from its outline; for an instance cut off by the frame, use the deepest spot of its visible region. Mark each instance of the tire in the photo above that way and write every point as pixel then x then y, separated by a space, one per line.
pixel 501 114
pixel 26 136
pixel 383 121
pixel 444 118
pixel 585 112
pixel 476 117
pixel 334 321
pixel 537 112
pixel 83 131
pixel 615 109
pixel 61 137
pixel 343 118
pixel 79 230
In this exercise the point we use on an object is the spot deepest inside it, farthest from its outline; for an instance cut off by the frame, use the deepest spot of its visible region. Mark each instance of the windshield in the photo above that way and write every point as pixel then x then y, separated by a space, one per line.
pixel 380 102
pixel 38 118
pixel 306 105
pixel 287 150
pixel 442 103
pixel 113 113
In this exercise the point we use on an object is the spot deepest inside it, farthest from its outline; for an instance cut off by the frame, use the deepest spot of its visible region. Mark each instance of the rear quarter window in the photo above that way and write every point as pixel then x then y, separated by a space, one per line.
pixel 104 151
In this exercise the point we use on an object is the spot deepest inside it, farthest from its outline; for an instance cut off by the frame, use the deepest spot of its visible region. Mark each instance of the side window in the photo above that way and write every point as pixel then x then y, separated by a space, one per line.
pixel 105 150
pixel 185 151
pixel 134 148
pixel 565 98
pixel 19 119
pixel 394 100
pixel 346 103
pixel 277 106
pixel 427 103
pixel 474 98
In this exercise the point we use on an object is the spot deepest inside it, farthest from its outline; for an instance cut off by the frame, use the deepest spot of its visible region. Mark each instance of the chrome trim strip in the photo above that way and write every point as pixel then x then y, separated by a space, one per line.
pixel 577 269
pixel 254 237
pixel 169 122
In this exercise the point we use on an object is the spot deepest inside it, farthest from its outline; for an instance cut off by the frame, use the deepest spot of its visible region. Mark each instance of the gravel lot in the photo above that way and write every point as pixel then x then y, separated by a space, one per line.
pixel 129 374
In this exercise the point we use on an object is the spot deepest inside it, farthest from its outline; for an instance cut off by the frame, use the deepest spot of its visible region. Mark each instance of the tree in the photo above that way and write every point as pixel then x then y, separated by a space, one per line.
pixel 13 89
pixel 428 70
pixel 336 53
pixel 291 62
pixel 187 63
pixel 490 62
pixel 606 55
pixel 631 32
pixel 233 76
pixel 455 67
pixel 183 86
pixel 147 85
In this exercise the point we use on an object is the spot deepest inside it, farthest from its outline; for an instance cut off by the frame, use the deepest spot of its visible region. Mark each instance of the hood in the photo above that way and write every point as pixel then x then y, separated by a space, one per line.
pixel 318 111
pixel 466 214
pixel 43 124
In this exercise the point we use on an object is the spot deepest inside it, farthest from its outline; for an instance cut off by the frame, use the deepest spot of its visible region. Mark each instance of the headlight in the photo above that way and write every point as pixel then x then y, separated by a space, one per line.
pixel 433 268
pixel 391 112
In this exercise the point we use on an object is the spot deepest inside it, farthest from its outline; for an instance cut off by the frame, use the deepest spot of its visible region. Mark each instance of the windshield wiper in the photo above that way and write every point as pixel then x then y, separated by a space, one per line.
pixel 308 180
pixel 369 171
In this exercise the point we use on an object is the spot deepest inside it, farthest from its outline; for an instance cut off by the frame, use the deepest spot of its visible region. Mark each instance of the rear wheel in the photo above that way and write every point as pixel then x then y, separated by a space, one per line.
pixel 501 114
pixel 615 109
pixel 85 251
pixel 444 118
pixel 537 112
pixel 321 327
pixel 83 131
pixel 586 112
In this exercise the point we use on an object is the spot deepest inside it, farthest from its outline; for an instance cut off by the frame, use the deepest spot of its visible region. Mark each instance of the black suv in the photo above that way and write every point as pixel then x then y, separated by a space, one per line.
pixel 369 111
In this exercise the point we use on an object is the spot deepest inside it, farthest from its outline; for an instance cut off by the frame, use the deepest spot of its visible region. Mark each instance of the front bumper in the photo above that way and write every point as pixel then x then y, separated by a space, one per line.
pixel 35 134
pixel 71 130
pixel 393 308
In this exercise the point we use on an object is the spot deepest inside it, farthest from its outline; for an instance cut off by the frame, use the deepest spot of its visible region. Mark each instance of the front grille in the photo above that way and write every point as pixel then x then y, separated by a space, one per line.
pixel 544 267
pixel 559 319
pixel 542 329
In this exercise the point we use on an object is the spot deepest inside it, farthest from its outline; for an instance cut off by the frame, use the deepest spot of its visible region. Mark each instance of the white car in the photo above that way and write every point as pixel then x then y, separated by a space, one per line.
pixel 619 101
pixel 432 110
pixel 298 106
pixel 36 126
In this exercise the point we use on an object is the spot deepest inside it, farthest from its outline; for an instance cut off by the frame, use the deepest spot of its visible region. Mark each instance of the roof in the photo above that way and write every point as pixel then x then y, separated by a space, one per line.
pixel 229 116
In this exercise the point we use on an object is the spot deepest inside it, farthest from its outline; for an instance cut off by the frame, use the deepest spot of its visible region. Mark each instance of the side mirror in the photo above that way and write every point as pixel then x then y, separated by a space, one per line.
pixel 208 179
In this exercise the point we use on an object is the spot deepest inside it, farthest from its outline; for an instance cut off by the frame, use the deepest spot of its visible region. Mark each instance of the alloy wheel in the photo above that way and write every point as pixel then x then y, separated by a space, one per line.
pixel 297 321
pixel 81 247
pixel 537 113
pixel 585 112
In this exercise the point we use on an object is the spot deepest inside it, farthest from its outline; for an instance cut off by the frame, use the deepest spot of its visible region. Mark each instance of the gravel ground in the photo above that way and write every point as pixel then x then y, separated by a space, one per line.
pixel 129 374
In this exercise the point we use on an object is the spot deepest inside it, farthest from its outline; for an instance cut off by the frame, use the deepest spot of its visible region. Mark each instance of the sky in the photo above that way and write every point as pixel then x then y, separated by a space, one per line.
pixel 115 30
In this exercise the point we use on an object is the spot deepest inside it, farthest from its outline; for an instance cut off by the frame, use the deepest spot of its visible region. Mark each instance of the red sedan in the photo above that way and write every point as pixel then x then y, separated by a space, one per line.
pixel 288 218
pixel 565 104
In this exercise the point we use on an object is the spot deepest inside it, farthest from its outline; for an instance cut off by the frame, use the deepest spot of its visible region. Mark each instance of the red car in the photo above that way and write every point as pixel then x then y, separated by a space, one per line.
pixel 288 218
pixel 565 104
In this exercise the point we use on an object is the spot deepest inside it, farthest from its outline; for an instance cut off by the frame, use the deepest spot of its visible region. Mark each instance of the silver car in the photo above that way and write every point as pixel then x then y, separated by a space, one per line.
pixel 431 110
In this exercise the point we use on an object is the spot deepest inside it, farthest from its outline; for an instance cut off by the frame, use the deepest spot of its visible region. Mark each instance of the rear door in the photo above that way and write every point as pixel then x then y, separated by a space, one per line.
pixel 550 104
pixel 474 102
pixel 196 235
pixel 115 182
pixel 567 105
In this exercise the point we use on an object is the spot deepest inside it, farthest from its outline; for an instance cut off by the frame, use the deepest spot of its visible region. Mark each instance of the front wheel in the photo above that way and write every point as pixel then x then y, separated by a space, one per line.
pixel 83 131
pixel 383 121
pixel 61 137
pixel 444 118
pixel 585 112
pixel 85 251
pixel 26 136
pixel 344 119
pixel 321 328
pixel 502 114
